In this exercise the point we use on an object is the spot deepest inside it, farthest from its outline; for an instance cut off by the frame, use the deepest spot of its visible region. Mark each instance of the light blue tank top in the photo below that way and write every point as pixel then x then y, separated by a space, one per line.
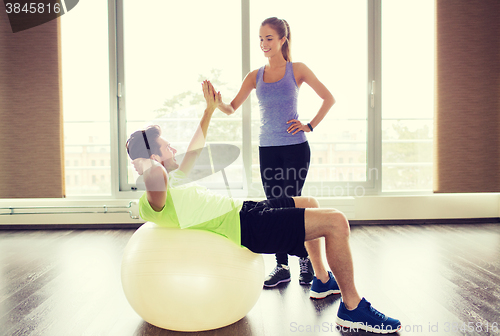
pixel 278 104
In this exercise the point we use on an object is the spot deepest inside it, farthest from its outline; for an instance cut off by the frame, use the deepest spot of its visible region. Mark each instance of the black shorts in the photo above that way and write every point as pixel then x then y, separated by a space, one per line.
pixel 272 226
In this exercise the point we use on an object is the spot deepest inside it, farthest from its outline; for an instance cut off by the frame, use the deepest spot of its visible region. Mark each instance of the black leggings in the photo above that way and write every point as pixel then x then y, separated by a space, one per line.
pixel 283 170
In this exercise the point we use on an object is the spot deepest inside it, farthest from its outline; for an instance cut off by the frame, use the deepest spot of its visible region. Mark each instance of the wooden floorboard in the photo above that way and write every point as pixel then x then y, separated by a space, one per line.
pixel 433 278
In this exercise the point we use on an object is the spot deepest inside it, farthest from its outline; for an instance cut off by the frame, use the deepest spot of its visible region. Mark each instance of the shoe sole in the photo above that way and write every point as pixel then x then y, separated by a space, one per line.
pixel 355 326
pixel 276 284
pixel 322 295
pixel 303 281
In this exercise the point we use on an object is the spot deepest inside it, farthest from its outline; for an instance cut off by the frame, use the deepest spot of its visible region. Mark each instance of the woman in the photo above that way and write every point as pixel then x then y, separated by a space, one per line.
pixel 284 152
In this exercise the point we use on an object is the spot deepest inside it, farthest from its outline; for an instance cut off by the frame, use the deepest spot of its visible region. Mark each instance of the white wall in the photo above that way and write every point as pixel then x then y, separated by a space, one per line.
pixel 428 207
pixel 93 218
pixel 359 208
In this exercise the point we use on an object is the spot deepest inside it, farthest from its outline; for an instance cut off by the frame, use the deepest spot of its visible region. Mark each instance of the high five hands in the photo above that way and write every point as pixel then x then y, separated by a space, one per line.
pixel 214 100
pixel 212 97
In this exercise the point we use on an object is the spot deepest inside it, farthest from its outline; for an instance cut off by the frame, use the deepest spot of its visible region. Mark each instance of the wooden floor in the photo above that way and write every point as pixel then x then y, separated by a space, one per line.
pixel 433 278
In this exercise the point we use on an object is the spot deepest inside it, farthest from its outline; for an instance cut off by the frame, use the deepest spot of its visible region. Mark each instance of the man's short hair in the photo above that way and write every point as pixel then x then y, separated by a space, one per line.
pixel 138 142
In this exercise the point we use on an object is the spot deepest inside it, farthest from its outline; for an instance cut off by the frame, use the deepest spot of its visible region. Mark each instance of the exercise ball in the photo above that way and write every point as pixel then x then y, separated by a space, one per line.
pixel 189 280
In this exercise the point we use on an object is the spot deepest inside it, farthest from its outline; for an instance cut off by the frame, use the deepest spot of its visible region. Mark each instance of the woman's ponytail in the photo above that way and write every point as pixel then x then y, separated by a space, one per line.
pixel 286 48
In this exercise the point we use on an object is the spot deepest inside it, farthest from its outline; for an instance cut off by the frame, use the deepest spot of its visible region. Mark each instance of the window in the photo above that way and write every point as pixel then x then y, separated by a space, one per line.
pixel 166 56
pixel 342 67
pixel 408 96
pixel 85 87
pixel 379 143
pixel 155 92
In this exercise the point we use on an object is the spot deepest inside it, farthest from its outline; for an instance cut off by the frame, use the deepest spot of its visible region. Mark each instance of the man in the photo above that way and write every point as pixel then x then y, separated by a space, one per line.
pixel 270 226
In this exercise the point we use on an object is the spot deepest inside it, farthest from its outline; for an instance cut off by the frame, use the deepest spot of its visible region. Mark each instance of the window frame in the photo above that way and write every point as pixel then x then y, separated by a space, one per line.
pixel 372 186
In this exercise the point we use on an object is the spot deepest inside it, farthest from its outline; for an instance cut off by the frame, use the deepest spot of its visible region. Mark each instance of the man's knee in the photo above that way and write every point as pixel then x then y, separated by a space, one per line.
pixel 339 223
pixel 313 202
pixel 306 202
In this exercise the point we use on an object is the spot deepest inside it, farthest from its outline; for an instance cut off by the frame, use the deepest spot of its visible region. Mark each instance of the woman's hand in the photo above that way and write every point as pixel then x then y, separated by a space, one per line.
pixel 297 126
pixel 219 98
pixel 225 108
pixel 220 104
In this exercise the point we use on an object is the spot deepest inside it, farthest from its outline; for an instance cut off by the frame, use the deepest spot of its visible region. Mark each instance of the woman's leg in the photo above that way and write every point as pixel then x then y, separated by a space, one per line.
pixel 313 246
pixel 297 159
pixel 296 166
pixel 271 164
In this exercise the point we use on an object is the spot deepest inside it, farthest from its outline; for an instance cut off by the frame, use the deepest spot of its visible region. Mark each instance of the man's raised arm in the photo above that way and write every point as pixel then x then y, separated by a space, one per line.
pixel 198 141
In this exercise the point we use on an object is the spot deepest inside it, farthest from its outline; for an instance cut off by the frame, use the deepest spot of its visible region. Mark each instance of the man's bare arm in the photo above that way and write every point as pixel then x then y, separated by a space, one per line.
pixel 198 141
pixel 155 179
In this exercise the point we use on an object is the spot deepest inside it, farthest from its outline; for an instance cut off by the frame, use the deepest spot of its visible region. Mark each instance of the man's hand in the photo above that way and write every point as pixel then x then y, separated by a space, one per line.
pixel 141 164
pixel 199 137
pixel 212 97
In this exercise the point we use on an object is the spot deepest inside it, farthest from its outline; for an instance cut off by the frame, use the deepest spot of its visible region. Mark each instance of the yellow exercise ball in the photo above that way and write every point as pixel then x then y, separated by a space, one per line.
pixel 189 280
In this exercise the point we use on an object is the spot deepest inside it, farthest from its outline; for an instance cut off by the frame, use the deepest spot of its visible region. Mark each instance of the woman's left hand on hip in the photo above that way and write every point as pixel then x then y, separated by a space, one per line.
pixel 297 126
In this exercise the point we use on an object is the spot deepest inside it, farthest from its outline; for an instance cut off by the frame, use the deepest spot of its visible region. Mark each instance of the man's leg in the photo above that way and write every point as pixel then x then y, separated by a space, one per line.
pixel 334 227
pixel 354 312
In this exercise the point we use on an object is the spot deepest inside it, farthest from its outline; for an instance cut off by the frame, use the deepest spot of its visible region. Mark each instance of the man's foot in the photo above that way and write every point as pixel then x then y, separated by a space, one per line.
pixel 367 318
pixel 281 273
pixel 320 290
pixel 306 271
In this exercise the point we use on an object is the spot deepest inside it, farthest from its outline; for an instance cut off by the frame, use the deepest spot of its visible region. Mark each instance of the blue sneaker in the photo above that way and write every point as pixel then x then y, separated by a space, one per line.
pixel 367 318
pixel 321 290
